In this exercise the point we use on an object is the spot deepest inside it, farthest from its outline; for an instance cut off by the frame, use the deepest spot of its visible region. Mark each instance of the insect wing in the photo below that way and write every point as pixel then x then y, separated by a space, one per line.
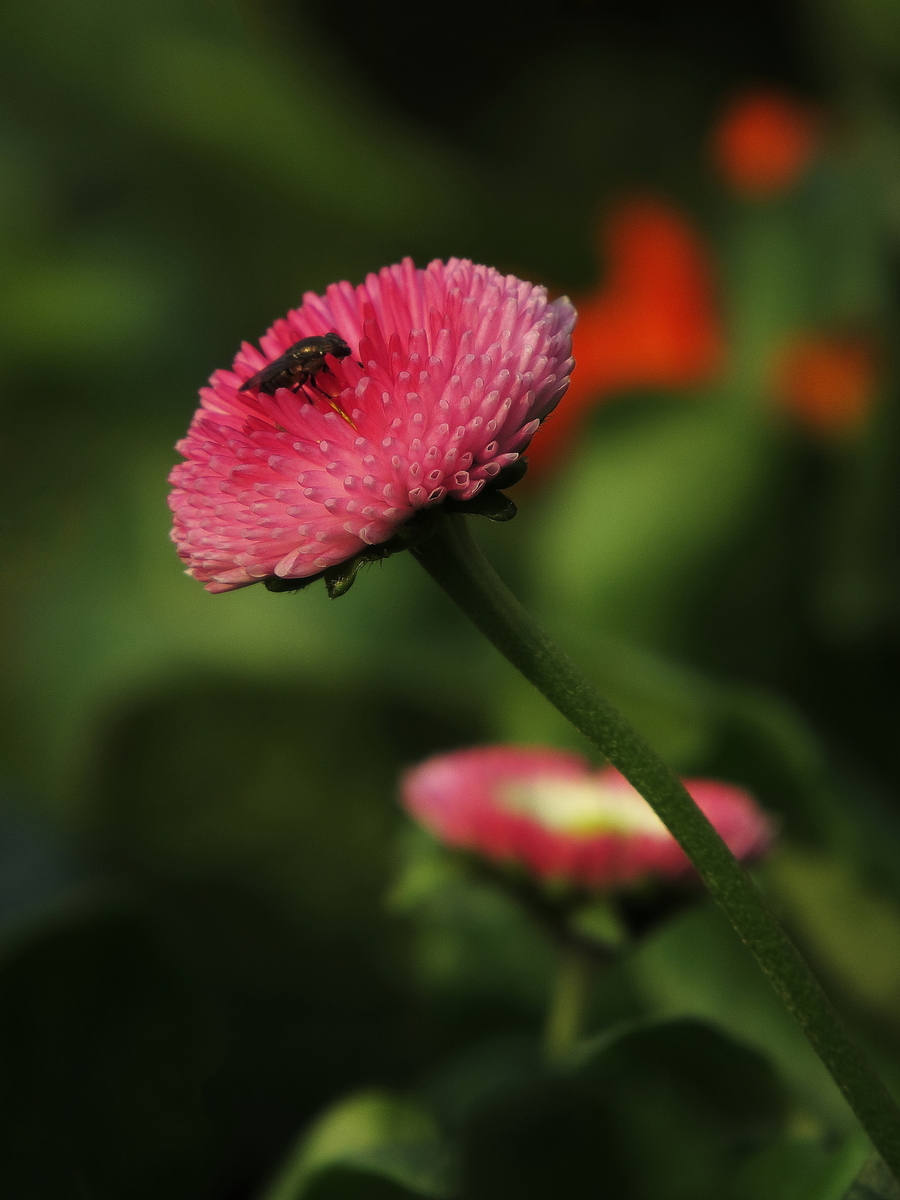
pixel 267 374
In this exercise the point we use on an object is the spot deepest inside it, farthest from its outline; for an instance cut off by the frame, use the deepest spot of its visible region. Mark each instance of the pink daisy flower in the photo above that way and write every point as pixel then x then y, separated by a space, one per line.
pixel 548 811
pixel 446 374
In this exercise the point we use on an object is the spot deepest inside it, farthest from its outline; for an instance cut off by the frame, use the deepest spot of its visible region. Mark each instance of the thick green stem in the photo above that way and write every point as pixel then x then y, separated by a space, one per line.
pixel 568 1005
pixel 453 560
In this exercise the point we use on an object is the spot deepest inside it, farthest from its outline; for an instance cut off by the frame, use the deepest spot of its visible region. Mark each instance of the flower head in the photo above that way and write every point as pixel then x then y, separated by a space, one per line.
pixel 451 370
pixel 546 810
pixel 764 142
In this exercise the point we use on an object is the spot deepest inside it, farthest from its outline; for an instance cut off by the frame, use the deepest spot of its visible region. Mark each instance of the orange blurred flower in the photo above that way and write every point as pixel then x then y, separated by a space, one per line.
pixel 829 382
pixel 764 142
pixel 652 323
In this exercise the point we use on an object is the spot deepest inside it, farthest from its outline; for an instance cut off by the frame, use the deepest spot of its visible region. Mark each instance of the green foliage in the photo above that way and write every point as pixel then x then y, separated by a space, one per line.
pixel 472 940
pixel 851 929
pixel 696 966
pixel 613 541
pixel 370 1134
pixel 874 1182
pixel 800 1167
pixel 656 1110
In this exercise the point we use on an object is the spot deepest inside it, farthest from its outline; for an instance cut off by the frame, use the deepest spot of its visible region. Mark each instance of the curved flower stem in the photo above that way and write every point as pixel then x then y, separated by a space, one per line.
pixel 565 1017
pixel 454 561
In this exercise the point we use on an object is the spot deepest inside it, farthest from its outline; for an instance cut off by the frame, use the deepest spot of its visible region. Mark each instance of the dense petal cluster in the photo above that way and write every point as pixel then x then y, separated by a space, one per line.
pixel 548 811
pixel 451 370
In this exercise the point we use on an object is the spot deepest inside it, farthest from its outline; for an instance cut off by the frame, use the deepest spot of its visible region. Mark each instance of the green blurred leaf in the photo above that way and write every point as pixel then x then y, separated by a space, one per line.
pixel 697 966
pixel 82 307
pixel 472 940
pixel 296 129
pixel 480 1073
pixel 733 1086
pixel 372 1133
pixel 658 1111
pixel 873 25
pixel 853 931
pixel 305 128
pixel 801 1168
pixel 874 1182
pixel 642 508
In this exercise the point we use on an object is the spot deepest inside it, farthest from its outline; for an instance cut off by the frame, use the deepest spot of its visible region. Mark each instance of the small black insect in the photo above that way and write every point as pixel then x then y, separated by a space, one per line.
pixel 298 365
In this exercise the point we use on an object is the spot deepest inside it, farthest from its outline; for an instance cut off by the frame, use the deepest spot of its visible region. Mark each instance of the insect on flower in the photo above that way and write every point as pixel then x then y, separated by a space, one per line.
pixel 453 367
pixel 298 365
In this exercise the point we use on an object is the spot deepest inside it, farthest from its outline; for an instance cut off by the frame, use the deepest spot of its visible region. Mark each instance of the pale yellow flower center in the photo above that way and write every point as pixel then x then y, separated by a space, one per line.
pixel 582 808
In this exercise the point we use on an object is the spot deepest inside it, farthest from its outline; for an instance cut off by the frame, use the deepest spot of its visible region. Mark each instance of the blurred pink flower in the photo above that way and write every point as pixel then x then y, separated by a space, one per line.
pixel 548 811
pixel 459 365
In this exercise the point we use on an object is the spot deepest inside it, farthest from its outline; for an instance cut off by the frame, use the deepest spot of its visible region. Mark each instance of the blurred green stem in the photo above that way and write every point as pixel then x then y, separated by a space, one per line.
pixel 454 561
pixel 568 1005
